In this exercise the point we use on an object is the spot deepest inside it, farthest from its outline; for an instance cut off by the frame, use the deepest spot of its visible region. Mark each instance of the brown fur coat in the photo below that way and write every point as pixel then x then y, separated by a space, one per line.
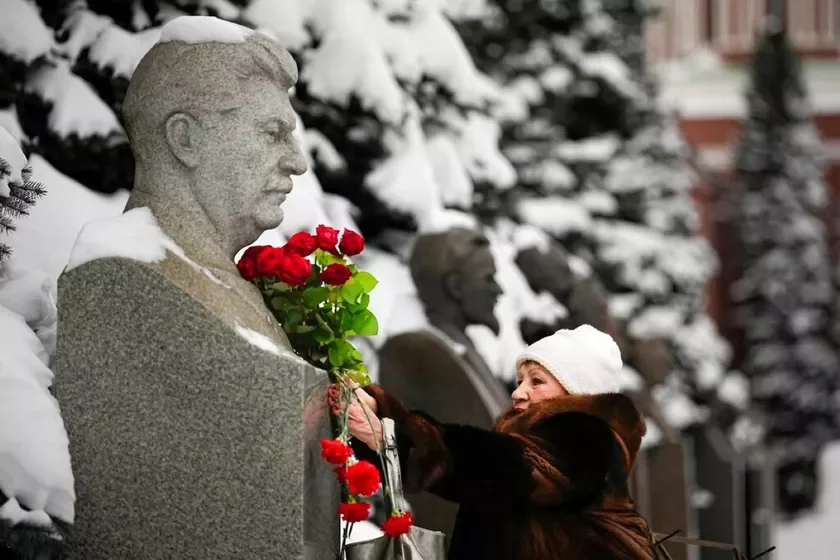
pixel 547 483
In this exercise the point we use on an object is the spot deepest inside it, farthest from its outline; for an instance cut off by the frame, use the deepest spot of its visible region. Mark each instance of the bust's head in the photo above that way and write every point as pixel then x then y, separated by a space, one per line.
pixel 455 272
pixel 215 119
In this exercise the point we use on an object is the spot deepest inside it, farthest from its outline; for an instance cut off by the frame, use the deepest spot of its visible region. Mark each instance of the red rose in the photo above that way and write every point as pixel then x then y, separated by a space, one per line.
pixel 302 243
pixel 362 479
pixel 327 238
pixel 248 264
pixel 341 473
pixel 336 274
pixel 354 513
pixel 294 270
pixel 397 525
pixel 270 261
pixel 335 451
pixel 351 243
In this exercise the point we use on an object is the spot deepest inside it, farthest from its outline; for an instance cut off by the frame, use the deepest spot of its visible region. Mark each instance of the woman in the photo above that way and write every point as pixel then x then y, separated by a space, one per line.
pixel 550 480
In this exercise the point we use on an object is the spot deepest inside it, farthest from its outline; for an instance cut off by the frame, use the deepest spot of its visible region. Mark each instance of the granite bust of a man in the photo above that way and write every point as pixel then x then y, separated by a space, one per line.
pixel 193 428
pixel 210 126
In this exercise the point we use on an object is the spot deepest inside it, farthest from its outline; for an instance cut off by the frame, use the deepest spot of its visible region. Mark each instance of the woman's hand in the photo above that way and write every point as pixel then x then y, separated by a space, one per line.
pixel 362 421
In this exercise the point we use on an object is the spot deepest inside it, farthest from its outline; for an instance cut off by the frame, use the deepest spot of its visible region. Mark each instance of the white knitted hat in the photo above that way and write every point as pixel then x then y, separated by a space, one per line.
pixel 585 360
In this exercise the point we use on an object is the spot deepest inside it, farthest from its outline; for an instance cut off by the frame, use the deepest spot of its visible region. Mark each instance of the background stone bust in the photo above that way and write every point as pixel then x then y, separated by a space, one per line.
pixel 455 276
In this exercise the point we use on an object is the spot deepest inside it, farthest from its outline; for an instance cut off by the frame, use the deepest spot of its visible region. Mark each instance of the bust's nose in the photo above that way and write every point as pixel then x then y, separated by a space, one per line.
pixel 294 162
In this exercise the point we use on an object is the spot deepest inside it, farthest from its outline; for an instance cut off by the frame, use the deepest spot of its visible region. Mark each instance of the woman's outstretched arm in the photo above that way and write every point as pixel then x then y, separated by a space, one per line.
pixel 563 461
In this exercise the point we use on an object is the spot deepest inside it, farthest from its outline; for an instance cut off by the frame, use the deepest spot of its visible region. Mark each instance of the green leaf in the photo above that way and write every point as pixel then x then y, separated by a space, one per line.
pixel 325 259
pixel 303 329
pixel 341 352
pixel 323 336
pixel 294 317
pixel 365 324
pixel 280 287
pixel 346 322
pixel 351 290
pixel 356 308
pixel 315 296
pixel 336 359
pixel 366 280
pixel 360 377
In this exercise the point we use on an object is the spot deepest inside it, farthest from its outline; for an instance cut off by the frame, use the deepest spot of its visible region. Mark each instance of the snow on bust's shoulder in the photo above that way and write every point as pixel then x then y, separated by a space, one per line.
pixel 263 342
pixel 133 235
pixel 196 30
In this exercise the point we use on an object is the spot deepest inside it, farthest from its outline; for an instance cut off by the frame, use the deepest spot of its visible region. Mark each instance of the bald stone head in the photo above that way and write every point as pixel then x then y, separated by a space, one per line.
pixel 455 276
pixel 210 125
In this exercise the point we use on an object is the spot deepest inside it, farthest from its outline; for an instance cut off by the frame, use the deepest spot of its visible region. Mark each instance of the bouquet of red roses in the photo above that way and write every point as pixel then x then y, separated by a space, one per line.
pixel 321 299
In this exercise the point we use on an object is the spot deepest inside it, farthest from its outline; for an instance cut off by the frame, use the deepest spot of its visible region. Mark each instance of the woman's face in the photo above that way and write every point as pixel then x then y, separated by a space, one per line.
pixel 536 384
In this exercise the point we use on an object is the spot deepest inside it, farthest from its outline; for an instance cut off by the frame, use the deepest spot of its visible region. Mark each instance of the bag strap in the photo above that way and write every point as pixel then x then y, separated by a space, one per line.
pixel 392 466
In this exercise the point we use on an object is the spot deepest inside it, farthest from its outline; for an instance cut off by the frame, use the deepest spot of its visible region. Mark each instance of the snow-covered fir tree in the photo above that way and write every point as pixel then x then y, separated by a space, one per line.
pixel 603 168
pixel 785 290
pixel 36 485
pixel 18 192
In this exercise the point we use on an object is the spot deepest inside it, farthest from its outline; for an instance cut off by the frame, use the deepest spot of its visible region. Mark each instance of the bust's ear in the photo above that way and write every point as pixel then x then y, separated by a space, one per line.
pixel 181 130
pixel 453 284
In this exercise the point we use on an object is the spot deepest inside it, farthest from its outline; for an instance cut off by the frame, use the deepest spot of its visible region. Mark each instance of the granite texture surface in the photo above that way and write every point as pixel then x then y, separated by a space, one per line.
pixel 187 441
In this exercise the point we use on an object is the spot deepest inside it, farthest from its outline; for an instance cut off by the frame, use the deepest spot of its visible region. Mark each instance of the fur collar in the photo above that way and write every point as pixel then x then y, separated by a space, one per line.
pixel 615 409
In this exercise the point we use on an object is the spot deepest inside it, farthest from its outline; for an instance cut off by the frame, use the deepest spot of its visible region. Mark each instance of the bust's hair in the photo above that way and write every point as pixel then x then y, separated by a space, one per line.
pixel 197 79
pixel 436 254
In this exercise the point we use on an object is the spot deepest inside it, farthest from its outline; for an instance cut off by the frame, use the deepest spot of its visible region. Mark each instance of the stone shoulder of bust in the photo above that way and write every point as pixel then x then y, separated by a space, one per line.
pixel 136 236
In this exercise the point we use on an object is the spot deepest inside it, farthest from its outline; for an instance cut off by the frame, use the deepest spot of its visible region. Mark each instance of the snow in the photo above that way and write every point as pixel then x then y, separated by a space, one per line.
pixel 656 322
pixel 285 18
pixel 34 457
pixel 611 69
pixel 12 155
pixel 9 121
pixel 406 181
pixel 525 236
pixel 23 34
pixel 351 60
pixel 196 30
pixel 444 57
pixel 133 235
pixel 261 341
pixel 554 214
pixel 478 146
pixel 394 301
pixel 653 436
pixel 555 176
pixel 556 78
pixel 76 108
pixel 121 50
pixel 679 411
pixel 13 514
pixel 630 380
pixel 450 172
pixel 43 240
pixel 321 148
pixel 815 536
pixel 344 65
pixel 590 150
pixel 735 390
pixel 29 294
